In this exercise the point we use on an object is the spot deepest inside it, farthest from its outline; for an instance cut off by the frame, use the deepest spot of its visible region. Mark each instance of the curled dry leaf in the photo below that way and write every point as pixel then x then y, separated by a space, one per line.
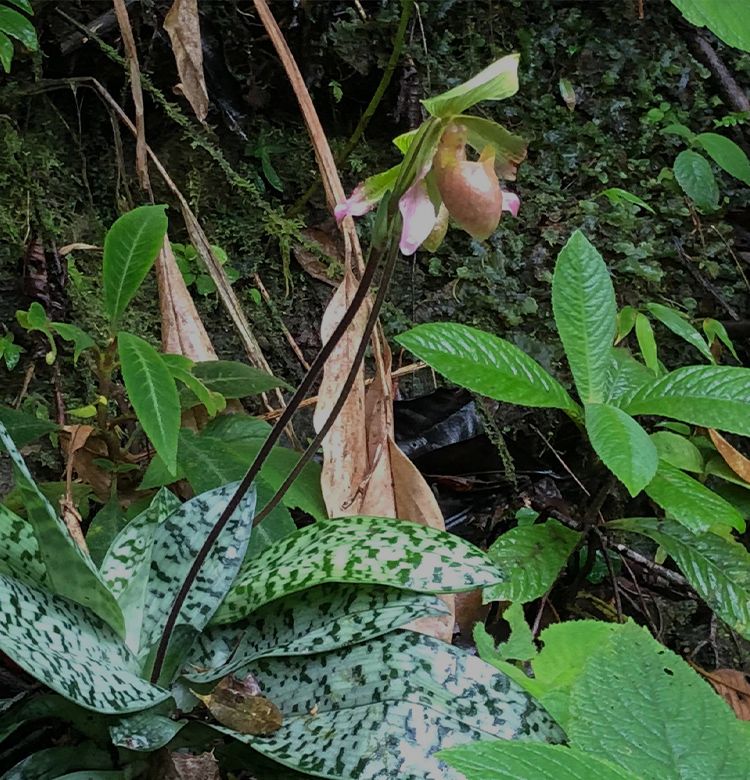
pixel 736 461
pixel 240 705
pixel 184 766
pixel 733 686
pixel 311 264
pixel 183 27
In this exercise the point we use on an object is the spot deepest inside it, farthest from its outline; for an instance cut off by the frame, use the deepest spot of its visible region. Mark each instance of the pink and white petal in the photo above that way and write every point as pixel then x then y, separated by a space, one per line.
pixel 356 205
pixel 511 202
pixel 419 217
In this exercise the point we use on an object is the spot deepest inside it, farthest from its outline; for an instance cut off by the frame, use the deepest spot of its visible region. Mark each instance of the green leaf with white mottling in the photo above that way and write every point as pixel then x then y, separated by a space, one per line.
pixel 532 556
pixel 710 396
pixel 317 620
pixel 71 650
pixel 624 447
pixel 718 569
pixel 486 364
pixel 690 502
pixel 70 570
pixel 381 709
pixel 583 301
pixel 19 551
pixel 177 542
pixel 372 550
pixel 145 731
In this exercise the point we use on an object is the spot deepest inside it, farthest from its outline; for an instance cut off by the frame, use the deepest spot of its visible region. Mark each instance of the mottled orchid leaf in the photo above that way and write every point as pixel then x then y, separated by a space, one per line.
pixel 373 550
pixel 144 731
pixel 383 708
pixel 71 650
pixel 70 570
pixel 177 542
pixel 322 618
pixel 19 552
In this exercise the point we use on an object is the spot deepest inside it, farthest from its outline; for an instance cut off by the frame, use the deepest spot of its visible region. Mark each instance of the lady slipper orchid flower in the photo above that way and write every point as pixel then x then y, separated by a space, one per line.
pixel 447 185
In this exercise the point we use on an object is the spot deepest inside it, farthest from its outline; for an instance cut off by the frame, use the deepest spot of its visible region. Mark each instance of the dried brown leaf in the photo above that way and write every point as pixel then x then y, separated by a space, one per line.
pixel 310 263
pixel 183 27
pixel 736 461
pixel 733 686
pixel 81 458
pixel 184 766
pixel 240 705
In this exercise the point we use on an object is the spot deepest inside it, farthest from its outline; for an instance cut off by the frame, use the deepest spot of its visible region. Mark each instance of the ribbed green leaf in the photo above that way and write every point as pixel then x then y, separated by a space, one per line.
pixel 19 551
pixel 153 393
pixel 6 57
pixel 644 332
pixel 503 760
pixel 71 650
pixel 70 570
pixel 486 364
pixel 691 503
pixel 533 556
pixel 726 153
pixel 681 328
pixel 317 620
pixel 624 447
pixel 711 396
pixel 80 339
pixel 678 451
pixel 519 646
pixel 729 20
pixel 627 374
pixel 24 5
pixel 371 550
pixel 235 380
pixel 23 427
pixel 583 301
pixel 19 27
pixel 694 175
pixel 496 82
pixel 616 195
pixel 645 709
pixel 49 763
pixel 381 709
pixel 717 568
pixel 130 248
pixel 176 544
pixel 145 731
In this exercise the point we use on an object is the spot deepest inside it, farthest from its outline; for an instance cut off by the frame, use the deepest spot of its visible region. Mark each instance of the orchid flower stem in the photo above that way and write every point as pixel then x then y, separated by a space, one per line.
pixel 306 384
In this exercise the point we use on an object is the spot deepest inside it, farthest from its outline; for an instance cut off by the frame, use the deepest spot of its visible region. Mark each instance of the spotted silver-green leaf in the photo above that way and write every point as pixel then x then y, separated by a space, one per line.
pixel 19 552
pixel 177 542
pixel 71 650
pixel 144 731
pixel 70 570
pixel 323 618
pixel 382 709
pixel 373 550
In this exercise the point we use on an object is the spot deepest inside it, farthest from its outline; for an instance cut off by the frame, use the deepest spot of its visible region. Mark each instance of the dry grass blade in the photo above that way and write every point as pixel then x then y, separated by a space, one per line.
pixel 736 461
pixel 183 27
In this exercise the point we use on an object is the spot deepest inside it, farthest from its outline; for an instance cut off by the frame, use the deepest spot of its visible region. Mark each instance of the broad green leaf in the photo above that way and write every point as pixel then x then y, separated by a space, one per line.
pixel 729 20
pixel 725 152
pixel 195 390
pixel 627 375
pixel 130 248
pixel 567 93
pixel 382 708
pixel 625 322
pixel 6 51
pixel 519 645
pixel 532 556
pixel 71 650
pixel 235 380
pixel 681 328
pixel 144 731
pixel 103 529
pixel 486 364
pixel 177 542
pixel 678 129
pixel 694 175
pixel 503 760
pixel 496 82
pixel 19 552
pixel 678 451
pixel 23 427
pixel 80 339
pixel 70 570
pixel 624 447
pixel 617 196
pixel 153 393
pixel 48 764
pixel 583 301
pixel 691 503
pixel 509 149
pixel 24 5
pixel 710 396
pixel 658 718
pixel 713 330
pixel 372 550
pixel 19 27
pixel 319 619
pixel 717 568
pixel 646 342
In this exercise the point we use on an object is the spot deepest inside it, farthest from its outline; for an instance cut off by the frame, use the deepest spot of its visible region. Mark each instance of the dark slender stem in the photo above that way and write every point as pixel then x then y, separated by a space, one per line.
pixel 317 366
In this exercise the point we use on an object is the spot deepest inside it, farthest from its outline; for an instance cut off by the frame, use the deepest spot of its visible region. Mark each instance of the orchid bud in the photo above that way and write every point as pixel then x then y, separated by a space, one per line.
pixel 470 190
